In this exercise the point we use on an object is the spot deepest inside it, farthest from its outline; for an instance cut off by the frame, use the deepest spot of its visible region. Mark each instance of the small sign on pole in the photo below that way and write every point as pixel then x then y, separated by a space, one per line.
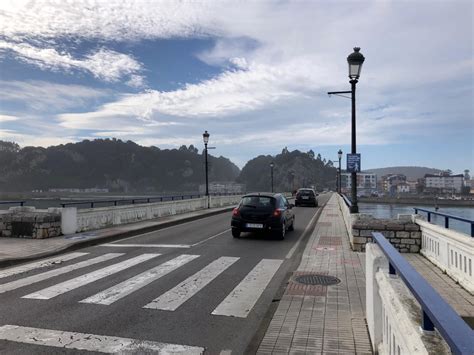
pixel 353 163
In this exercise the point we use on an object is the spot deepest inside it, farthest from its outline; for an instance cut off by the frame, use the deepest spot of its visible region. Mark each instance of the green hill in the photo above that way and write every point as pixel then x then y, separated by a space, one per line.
pixel 108 163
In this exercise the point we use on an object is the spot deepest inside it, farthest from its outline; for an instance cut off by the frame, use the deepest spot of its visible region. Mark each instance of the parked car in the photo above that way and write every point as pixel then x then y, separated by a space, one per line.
pixel 263 212
pixel 306 196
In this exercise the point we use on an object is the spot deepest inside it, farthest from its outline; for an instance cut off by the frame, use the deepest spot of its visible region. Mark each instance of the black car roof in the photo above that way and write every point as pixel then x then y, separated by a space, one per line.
pixel 265 194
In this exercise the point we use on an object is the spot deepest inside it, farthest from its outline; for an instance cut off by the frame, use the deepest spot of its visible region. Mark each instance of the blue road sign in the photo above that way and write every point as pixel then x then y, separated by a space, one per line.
pixel 353 163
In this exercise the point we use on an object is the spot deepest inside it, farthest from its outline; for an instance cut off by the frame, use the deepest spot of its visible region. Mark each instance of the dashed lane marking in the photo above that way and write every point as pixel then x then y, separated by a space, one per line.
pixel 183 246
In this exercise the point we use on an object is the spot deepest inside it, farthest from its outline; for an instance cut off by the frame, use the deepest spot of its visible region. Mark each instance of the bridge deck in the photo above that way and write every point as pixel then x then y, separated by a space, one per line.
pixel 457 297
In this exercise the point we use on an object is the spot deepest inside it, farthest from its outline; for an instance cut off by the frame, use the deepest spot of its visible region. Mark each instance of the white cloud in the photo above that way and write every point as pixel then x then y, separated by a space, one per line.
pixel 44 96
pixel 104 64
pixel 6 118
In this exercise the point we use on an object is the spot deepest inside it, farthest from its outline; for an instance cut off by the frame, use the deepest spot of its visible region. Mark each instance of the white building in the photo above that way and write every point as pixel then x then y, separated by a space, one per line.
pixel 403 188
pixel 366 183
pixel 444 184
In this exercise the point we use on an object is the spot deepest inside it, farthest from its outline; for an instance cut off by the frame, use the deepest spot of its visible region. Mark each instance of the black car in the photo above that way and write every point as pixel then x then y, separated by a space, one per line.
pixel 306 197
pixel 264 212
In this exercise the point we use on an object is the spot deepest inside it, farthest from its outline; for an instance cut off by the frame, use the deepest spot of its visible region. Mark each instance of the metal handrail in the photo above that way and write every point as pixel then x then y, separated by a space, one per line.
pixel 346 200
pixel 143 199
pixel 446 218
pixel 437 313
pixel 12 202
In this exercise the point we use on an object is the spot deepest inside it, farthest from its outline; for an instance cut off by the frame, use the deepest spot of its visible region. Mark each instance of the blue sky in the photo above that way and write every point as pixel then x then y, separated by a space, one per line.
pixel 254 74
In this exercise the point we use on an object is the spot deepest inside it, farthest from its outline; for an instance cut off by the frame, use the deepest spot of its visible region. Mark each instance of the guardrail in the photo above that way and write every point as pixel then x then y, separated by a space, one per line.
pixel 346 200
pixel 12 202
pixel 446 218
pixel 142 199
pixel 436 312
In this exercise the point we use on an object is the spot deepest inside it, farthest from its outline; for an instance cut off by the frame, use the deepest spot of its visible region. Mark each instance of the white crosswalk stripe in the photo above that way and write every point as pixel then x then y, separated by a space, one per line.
pixel 245 295
pixel 55 272
pixel 39 264
pixel 175 297
pixel 129 286
pixel 91 342
pixel 79 281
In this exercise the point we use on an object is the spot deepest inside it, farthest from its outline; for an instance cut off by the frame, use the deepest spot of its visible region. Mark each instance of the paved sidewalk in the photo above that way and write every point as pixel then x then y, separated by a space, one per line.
pixel 17 249
pixel 323 319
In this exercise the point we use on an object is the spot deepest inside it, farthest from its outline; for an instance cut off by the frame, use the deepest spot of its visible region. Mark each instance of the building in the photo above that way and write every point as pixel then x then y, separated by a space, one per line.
pixel 366 183
pixel 223 188
pixel 403 188
pixel 390 183
pixel 444 183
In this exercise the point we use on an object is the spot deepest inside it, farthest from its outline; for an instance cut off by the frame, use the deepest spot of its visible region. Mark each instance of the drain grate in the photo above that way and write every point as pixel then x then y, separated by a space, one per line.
pixel 315 279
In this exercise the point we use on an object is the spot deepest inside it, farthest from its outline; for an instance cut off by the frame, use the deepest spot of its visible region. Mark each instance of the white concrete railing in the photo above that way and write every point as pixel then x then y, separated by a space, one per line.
pixel 393 313
pixel 451 251
pixel 82 220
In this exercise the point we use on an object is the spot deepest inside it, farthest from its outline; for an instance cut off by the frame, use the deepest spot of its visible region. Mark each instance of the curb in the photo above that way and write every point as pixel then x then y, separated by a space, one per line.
pixel 89 242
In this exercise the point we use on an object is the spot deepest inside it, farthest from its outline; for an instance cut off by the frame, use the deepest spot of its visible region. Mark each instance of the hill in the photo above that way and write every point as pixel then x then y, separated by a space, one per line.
pixel 108 163
pixel 411 172
pixel 292 170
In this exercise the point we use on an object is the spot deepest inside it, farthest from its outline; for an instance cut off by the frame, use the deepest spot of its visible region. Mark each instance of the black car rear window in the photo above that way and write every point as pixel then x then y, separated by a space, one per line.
pixel 258 201
pixel 306 192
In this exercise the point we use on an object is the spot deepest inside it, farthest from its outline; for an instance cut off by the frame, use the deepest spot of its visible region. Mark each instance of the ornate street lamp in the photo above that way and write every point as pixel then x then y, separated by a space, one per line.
pixel 355 61
pixel 205 138
pixel 271 171
pixel 339 155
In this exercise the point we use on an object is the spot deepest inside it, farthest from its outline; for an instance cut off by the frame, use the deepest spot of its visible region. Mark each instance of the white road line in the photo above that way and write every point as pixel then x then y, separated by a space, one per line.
pixel 39 264
pixel 91 342
pixel 129 286
pixel 183 246
pixel 215 235
pixel 79 281
pixel 292 250
pixel 175 297
pixel 55 272
pixel 245 295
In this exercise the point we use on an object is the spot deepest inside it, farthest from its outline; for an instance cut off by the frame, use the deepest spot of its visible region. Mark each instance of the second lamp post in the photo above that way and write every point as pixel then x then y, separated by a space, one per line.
pixel 205 137
pixel 339 155
pixel 271 172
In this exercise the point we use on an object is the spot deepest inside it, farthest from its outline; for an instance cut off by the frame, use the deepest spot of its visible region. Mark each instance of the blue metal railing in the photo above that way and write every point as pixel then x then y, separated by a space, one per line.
pixel 437 313
pixel 346 200
pixel 446 218
pixel 12 202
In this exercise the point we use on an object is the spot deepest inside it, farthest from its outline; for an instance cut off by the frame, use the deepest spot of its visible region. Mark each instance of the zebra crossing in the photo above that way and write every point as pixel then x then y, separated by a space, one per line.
pixel 239 302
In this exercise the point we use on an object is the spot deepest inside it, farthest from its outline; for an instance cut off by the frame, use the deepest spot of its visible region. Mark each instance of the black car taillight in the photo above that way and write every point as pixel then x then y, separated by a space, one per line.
pixel 277 213
pixel 236 212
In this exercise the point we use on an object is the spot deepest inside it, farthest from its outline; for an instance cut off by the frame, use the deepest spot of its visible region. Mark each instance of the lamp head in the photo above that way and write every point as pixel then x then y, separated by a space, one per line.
pixel 355 61
pixel 205 137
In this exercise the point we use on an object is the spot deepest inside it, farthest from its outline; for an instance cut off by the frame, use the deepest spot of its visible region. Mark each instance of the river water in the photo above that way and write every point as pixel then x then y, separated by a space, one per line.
pixel 391 211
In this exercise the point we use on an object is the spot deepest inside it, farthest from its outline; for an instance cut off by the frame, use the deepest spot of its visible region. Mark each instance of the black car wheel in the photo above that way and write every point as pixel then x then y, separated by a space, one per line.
pixel 292 227
pixel 281 233
pixel 235 233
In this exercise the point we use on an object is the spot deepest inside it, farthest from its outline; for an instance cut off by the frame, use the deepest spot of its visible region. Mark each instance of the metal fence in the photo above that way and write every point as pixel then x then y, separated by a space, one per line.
pixel 447 217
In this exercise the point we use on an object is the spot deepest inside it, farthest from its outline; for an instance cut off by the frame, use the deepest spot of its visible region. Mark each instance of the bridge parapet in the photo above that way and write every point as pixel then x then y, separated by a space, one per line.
pixel 451 251
pixel 405 315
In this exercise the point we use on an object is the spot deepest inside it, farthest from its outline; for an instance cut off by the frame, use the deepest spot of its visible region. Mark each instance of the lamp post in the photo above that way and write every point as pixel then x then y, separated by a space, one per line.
pixel 339 155
pixel 355 61
pixel 272 164
pixel 205 138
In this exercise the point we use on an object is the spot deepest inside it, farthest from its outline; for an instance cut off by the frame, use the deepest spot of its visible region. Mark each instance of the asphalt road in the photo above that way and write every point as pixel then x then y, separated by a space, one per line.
pixel 191 284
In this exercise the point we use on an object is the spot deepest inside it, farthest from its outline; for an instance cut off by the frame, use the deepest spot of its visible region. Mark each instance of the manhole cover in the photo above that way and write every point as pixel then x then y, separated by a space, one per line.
pixel 315 279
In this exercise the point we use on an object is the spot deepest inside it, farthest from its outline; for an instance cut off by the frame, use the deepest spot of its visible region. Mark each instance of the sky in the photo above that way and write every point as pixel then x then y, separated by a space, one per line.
pixel 254 74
